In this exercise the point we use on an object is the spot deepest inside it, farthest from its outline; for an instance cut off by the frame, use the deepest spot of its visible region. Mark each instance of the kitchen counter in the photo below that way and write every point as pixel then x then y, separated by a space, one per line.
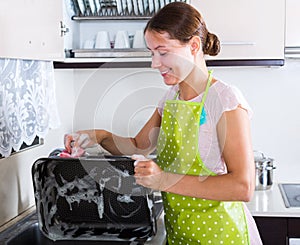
pixel 268 203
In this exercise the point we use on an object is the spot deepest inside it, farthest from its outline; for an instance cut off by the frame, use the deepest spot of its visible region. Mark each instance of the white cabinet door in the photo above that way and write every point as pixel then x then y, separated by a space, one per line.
pixel 292 23
pixel 31 29
pixel 247 29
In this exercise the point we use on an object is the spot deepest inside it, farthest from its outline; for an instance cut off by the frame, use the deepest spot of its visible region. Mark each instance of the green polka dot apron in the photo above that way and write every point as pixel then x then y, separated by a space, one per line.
pixel 191 220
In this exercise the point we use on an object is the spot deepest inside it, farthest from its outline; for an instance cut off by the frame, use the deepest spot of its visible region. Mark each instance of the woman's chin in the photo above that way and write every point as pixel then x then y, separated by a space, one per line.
pixel 170 81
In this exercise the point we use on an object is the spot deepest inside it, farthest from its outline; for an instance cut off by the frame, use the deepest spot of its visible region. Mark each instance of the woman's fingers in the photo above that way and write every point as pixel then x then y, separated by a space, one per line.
pixel 68 141
pixel 143 171
pixel 139 164
pixel 142 165
pixel 139 157
pixel 77 140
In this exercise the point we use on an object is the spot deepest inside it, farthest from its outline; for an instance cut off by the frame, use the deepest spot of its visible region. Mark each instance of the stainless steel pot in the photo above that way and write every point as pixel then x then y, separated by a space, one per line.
pixel 264 167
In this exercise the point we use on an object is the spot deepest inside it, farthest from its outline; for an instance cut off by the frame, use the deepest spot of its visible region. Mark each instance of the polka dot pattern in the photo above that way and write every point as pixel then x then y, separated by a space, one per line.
pixel 192 220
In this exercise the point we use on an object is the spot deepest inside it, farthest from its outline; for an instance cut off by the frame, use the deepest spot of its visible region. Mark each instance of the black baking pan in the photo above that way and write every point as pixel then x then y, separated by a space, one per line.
pixel 93 198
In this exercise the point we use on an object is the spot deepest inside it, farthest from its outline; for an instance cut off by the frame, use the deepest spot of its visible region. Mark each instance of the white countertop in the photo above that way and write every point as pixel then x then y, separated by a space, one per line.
pixel 270 203
pixel 266 203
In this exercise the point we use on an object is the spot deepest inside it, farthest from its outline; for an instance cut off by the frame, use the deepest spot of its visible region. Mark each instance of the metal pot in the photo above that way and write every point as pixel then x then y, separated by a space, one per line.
pixel 264 171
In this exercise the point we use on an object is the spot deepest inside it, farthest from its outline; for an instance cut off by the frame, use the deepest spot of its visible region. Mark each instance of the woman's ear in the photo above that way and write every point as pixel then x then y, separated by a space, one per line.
pixel 195 43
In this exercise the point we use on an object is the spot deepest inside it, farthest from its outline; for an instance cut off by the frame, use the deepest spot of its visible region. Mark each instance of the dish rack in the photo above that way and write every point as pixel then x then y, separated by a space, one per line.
pixel 117 9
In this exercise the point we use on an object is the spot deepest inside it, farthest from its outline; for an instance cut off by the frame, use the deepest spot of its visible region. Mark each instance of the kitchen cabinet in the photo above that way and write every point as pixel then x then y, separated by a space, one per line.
pixel 277 224
pixel 32 29
pixel 278 230
pixel 249 30
pixel 50 29
pixel 273 231
pixel 292 24
pixel 292 35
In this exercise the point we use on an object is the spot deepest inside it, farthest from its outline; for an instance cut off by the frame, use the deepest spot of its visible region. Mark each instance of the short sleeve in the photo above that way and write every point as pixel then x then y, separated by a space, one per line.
pixel 228 98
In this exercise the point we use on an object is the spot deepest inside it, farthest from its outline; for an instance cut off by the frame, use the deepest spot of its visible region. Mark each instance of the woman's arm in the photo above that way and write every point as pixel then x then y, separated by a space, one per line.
pixel 237 185
pixel 143 143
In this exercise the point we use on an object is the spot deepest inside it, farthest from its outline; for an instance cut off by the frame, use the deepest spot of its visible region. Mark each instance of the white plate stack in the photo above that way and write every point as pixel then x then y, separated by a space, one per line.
pixel 117 8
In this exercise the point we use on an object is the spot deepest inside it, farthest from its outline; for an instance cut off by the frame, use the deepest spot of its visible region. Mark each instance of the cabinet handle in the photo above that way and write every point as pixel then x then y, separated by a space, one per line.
pixel 63 29
pixel 238 43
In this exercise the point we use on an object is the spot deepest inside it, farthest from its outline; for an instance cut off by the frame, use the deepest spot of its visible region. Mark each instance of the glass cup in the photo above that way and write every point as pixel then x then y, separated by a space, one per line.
pixel 138 40
pixel 122 40
pixel 102 40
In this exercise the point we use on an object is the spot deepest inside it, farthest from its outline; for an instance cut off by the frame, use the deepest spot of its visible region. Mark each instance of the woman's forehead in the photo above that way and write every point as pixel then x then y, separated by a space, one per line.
pixel 154 39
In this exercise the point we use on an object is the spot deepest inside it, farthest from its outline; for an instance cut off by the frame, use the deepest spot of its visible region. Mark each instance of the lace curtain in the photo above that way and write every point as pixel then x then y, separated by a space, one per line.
pixel 27 102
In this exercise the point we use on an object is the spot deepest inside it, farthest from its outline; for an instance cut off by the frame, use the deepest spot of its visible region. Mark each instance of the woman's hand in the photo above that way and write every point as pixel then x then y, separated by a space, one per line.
pixel 81 139
pixel 148 173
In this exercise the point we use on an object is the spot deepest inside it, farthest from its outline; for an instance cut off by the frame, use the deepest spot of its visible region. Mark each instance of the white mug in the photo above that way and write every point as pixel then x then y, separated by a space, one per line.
pixel 102 40
pixel 122 40
pixel 138 40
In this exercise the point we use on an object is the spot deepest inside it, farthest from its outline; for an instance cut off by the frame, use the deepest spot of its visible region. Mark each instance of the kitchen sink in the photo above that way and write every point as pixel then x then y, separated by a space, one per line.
pixel 33 236
pixel 290 194
pixel 27 231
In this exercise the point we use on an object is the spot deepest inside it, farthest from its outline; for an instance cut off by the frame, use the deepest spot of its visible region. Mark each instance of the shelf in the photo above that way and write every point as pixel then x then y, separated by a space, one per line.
pixel 110 53
pixel 145 62
pixel 85 10
pixel 120 17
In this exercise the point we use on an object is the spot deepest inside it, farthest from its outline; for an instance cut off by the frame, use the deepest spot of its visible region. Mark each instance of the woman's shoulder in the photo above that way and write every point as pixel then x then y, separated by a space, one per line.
pixel 228 97
pixel 222 87
pixel 226 91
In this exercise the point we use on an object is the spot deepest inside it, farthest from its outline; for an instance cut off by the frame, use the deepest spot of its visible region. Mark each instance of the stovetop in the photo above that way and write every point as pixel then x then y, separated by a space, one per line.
pixel 290 194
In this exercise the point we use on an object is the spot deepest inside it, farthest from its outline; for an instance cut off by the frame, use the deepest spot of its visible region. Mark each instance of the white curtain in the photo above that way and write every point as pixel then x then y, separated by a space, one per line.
pixel 27 102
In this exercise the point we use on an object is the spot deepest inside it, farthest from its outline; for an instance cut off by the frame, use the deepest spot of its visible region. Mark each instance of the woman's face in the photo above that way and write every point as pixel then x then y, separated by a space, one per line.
pixel 173 59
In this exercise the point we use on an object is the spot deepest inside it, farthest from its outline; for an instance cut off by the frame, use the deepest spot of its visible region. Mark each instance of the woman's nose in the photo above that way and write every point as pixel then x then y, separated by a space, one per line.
pixel 156 63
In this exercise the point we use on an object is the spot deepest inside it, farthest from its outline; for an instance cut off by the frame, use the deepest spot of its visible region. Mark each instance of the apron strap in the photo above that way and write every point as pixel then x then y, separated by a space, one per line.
pixel 206 90
pixel 207 85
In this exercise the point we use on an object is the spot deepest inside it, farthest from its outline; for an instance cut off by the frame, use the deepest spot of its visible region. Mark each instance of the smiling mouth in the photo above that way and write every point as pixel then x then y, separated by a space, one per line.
pixel 164 73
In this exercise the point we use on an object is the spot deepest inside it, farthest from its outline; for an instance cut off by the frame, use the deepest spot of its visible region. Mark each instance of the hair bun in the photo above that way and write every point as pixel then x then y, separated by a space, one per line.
pixel 212 46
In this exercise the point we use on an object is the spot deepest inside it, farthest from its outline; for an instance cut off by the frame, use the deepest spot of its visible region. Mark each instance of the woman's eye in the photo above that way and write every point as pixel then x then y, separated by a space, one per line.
pixel 162 53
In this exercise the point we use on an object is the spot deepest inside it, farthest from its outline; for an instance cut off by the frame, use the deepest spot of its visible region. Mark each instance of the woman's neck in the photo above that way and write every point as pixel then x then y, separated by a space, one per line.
pixel 194 84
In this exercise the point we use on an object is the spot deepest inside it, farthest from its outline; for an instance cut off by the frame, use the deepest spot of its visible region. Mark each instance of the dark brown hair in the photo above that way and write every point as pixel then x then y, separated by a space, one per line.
pixel 182 21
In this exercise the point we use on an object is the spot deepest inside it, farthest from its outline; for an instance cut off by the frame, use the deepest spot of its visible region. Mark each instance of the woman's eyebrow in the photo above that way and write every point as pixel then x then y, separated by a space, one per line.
pixel 158 47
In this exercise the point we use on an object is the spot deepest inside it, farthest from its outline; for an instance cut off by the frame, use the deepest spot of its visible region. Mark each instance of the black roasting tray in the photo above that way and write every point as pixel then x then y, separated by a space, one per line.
pixel 93 198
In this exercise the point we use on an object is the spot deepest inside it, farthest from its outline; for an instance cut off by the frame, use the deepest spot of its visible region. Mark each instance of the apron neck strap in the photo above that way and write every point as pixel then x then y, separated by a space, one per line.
pixel 207 85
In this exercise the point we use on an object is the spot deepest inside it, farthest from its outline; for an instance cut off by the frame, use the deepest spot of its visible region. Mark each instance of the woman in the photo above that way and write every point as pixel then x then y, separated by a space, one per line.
pixel 205 165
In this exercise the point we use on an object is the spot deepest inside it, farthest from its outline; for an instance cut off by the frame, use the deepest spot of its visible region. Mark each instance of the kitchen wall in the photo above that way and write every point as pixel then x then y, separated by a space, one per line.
pixel 274 97
pixel 125 100
pixel 121 100
pixel 16 189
